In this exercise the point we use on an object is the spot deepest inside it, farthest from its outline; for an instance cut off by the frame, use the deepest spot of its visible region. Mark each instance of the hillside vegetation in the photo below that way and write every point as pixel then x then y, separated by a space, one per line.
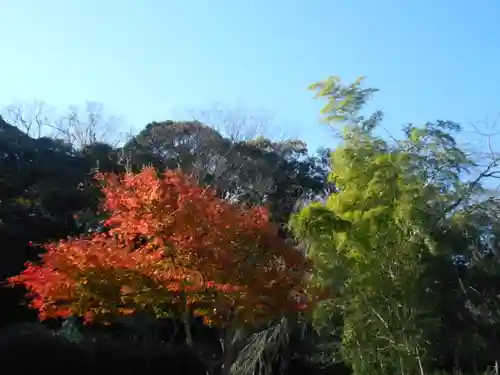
pixel 249 255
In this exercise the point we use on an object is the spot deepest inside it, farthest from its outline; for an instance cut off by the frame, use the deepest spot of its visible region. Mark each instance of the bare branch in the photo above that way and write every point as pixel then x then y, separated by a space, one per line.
pixel 76 126
pixel 234 123
pixel 31 118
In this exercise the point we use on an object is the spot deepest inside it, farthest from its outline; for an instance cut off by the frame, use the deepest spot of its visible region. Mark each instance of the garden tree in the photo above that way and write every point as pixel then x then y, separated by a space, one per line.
pixel 297 176
pixel 277 172
pixel 463 216
pixel 407 226
pixel 170 248
pixel 188 146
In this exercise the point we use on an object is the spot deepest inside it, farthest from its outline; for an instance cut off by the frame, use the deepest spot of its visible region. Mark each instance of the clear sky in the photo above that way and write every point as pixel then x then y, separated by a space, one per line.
pixel 153 59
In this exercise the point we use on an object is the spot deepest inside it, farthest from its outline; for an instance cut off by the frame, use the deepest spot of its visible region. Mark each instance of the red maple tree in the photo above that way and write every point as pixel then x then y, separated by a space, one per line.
pixel 169 247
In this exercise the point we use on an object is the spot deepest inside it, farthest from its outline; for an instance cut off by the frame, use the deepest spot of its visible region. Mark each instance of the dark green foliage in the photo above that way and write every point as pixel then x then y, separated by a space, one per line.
pixel 43 184
pixel 256 171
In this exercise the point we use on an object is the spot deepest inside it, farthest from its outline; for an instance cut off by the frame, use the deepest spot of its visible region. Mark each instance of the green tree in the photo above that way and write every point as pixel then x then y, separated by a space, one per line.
pixel 401 209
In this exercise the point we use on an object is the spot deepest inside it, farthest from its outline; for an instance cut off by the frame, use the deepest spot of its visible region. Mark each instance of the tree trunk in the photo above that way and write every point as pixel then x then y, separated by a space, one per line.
pixel 228 351
pixel 186 321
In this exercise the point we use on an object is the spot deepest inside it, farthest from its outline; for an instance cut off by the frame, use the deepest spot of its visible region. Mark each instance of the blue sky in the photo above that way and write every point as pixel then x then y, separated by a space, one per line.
pixel 154 59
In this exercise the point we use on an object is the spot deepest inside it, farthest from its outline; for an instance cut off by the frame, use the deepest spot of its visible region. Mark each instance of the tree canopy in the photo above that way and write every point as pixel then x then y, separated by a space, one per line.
pixel 398 242
pixel 157 255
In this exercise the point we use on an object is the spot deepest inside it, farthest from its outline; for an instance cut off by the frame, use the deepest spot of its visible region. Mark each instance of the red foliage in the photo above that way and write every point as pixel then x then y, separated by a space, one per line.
pixel 169 245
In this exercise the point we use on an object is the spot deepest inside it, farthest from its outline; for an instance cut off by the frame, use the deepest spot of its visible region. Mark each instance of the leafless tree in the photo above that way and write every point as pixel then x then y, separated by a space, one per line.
pixel 75 125
pixel 32 118
pixel 238 124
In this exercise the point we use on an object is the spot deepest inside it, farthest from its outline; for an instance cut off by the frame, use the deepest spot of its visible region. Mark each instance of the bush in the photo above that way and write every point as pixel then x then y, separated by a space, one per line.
pixel 34 349
pixel 31 348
